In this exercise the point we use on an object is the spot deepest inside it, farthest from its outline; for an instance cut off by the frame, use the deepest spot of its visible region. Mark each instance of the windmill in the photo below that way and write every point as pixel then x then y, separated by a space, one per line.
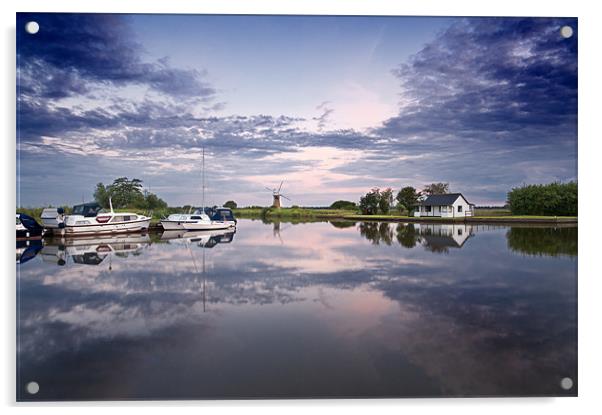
pixel 277 195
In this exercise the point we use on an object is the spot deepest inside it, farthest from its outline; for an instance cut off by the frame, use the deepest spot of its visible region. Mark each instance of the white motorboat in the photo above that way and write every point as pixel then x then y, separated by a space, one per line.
pixel 216 218
pixel 200 220
pixel 91 219
pixel 203 222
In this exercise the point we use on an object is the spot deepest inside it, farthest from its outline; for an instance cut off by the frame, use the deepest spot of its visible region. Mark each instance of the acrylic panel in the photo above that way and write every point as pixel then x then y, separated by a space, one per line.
pixel 282 206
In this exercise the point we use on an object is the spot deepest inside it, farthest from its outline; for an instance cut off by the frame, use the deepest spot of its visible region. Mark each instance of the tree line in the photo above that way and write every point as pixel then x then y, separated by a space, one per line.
pixel 407 198
pixel 554 199
pixel 124 192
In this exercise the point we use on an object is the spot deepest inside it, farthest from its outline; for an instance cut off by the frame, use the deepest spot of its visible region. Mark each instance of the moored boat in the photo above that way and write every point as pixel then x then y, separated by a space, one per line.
pixel 91 219
pixel 27 227
pixel 200 219
pixel 203 219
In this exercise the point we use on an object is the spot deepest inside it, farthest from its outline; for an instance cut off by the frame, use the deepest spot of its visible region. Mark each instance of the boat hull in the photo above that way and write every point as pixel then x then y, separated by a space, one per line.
pixel 103 229
pixel 202 226
pixel 169 225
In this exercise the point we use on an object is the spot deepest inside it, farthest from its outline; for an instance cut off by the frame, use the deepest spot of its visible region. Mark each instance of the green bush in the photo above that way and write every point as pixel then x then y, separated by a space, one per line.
pixel 231 204
pixel 554 199
pixel 344 205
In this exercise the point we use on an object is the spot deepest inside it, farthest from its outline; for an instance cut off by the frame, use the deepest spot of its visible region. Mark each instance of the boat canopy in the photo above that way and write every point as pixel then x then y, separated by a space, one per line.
pixel 223 214
pixel 87 209
pixel 29 222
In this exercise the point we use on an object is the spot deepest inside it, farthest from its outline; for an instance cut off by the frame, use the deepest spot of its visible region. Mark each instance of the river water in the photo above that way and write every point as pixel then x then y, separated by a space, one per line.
pixel 319 309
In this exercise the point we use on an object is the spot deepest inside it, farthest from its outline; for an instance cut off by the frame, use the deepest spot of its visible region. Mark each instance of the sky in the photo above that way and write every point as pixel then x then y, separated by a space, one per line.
pixel 332 105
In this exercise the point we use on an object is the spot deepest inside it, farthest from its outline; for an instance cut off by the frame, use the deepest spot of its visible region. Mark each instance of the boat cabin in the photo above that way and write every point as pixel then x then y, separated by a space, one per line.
pixel 88 210
pixel 223 214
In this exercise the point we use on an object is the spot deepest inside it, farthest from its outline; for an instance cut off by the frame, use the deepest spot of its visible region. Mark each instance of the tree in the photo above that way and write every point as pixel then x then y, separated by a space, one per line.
pixel 385 201
pixel 369 202
pixel 230 204
pixel 344 204
pixel 408 197
pixel 153 202
pixel 436 189
pixel 101 195
pixel 125 192
pixel 554 199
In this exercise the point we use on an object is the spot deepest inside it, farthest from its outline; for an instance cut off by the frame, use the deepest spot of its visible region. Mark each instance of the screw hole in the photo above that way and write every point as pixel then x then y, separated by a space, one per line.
pixel 566 384
pixel 32 388
pixel 32 27
pixel 566 31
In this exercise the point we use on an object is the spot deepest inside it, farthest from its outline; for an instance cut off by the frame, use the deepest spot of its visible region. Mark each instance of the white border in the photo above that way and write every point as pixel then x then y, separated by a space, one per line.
pixel 590 69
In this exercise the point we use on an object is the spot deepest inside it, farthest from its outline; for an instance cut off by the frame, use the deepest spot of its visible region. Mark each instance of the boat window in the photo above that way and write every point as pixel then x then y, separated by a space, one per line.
pixel 196 217
pixel 87 210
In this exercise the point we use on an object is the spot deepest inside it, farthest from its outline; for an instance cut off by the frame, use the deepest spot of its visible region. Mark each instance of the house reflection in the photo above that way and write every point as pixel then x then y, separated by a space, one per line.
pixel 440 237
pixel 434 237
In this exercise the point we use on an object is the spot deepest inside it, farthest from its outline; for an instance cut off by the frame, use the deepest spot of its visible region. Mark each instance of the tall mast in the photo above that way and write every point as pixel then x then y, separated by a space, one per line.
pixel 203 175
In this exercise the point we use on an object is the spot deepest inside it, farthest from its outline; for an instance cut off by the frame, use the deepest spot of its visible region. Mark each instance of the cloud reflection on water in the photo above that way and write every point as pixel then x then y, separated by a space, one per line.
pixel 317 310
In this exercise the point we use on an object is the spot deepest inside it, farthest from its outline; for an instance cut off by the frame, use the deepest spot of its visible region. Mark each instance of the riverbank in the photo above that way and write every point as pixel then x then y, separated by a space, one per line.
pixel 308 213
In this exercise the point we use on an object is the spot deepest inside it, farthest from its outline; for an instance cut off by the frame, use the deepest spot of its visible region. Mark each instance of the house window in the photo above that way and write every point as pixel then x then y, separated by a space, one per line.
pixel 459 231
pixel 459 208
pixel 427 208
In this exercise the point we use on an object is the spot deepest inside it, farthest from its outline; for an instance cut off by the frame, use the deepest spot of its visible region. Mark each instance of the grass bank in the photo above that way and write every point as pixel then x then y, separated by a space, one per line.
pixel 254 213
pixel 299 213
pixel 481 215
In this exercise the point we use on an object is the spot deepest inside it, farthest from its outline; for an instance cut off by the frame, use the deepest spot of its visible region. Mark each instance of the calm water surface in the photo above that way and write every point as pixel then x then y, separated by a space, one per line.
pixel 301 310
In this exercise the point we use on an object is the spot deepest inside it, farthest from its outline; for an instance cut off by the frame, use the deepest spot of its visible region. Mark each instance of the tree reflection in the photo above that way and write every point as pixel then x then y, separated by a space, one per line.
pixel 377 233
pixel 407 235
pixel 436 238
pixel 543 241
pixel 343 224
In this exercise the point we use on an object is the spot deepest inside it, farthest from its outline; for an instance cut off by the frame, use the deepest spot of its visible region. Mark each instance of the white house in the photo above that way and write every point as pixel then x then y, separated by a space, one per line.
pixel 450 205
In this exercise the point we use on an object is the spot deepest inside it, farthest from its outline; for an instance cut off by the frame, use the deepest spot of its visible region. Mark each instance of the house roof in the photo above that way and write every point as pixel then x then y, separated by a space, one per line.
pixel 442 200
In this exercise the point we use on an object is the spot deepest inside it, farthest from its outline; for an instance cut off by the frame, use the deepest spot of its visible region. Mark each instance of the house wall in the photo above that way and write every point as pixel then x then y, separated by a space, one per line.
pixel 466 210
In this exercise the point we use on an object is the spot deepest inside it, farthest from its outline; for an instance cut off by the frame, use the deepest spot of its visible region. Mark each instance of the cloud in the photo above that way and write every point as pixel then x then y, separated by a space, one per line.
pixel 71 52
pixel 488 104
pixel 496 80
pixel 324 117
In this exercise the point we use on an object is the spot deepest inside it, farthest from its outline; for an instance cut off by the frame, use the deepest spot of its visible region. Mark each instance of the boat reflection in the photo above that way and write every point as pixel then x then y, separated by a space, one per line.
pixel 205 239
pixel 92 250
pixel 27 249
